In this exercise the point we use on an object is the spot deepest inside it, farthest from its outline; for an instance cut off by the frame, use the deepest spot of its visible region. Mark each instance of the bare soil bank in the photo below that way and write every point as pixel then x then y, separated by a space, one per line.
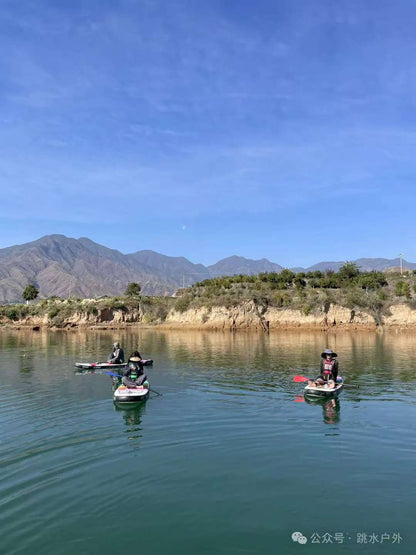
pixel 245 316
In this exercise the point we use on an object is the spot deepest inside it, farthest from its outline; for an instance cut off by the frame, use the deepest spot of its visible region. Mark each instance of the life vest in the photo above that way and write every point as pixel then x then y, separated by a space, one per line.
pixel 328 366
pixel 134 373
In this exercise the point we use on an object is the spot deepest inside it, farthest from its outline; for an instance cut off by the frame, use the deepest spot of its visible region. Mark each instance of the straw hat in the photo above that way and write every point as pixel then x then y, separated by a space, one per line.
pixel 329 352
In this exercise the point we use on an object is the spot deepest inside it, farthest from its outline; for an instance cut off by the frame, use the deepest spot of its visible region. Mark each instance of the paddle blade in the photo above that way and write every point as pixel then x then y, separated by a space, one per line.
pixel 113 374
pixel 300 379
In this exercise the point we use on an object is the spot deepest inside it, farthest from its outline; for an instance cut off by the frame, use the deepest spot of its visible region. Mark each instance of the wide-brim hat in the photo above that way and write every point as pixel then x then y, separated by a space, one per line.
pixel 328 352
pixel 135 359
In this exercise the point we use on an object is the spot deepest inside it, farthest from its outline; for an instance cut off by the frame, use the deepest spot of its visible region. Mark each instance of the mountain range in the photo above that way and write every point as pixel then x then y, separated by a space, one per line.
pixel 63 266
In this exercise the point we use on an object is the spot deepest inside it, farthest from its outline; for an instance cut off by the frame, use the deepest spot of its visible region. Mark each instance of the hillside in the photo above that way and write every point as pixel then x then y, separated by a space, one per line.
pixel 66 267
pixel 266 301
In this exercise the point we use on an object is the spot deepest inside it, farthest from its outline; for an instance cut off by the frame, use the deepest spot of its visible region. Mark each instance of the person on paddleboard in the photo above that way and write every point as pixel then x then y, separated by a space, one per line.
pixel 134 374
pixel 135 354
pixel 117 354
pixel 329 370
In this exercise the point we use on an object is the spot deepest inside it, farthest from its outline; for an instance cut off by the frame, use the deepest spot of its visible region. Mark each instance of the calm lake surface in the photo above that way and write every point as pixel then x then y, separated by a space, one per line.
pixel 229 460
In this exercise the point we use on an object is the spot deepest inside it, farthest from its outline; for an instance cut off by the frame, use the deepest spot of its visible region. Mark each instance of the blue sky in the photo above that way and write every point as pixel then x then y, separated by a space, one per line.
pixel 283 129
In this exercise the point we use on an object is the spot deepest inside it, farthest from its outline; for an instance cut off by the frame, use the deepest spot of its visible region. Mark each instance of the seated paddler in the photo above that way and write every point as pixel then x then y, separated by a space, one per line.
pixel 134 374
pixel 329 370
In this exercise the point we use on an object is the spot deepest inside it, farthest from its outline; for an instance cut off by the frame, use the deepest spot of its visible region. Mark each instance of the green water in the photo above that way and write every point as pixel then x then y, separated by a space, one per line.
pixel 229 460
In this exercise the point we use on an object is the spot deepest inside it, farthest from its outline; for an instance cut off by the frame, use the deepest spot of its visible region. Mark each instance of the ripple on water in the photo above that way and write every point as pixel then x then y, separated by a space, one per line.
pixel 231 435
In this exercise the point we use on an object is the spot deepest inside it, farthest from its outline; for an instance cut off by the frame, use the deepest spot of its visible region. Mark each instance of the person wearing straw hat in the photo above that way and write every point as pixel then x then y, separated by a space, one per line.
pixel 329 370
pixel 134 374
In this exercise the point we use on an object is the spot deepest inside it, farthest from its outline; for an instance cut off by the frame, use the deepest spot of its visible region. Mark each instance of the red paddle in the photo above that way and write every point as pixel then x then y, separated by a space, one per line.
pixel 302 379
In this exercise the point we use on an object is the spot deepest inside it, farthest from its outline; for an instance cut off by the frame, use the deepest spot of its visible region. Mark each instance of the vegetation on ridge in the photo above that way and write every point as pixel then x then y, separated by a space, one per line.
pixel 310 293
pixel 373 292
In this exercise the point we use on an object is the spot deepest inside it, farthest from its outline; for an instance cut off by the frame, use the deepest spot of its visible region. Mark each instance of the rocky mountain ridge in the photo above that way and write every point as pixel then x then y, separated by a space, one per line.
pixel 63 266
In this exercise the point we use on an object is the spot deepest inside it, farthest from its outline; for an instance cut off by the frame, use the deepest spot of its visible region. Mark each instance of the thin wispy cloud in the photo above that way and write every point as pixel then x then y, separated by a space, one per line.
pixel 208 113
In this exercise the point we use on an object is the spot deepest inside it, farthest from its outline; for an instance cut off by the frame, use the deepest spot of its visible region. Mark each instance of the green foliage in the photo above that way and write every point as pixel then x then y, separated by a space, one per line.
pixel 182 304
pixel 307 309
pixel 354 299
pixel 299 282
pixel 156 309
pixel 133 290
pixel 372 280
pixel 382 295
pixel 281 300
pixel 349 270
pixel 24 311
pixel 301 294
pixel 30 292
pixel 317 274
pixel 91 309
pixel 12 314
pixel 114 303
pixel 54 311
pixel 329 281
pixel 399 289
pixel 406 291
pixel 309 293
pixel 287 276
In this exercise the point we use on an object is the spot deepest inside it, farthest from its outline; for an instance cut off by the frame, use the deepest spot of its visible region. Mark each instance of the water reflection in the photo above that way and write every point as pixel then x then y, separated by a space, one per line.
pixel 331 408
pixel 132 416
pixel 26 365
pixel 227 409
pixel 272 356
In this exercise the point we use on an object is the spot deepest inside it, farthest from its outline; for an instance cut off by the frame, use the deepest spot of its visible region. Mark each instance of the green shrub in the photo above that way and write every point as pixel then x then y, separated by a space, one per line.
pixel 348 271
pixel 406 290
pixel 372 280
pixel 282 299
pixel 307 309
pixel 182 304
pixel 399 289
pixel 91 309
pixel 24 310
pixel 133 289
pixel 54 311
pixel 382 295
pixel 12 314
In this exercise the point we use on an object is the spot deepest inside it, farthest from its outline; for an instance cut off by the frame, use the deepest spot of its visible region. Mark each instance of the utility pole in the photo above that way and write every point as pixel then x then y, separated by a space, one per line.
pixel 401 264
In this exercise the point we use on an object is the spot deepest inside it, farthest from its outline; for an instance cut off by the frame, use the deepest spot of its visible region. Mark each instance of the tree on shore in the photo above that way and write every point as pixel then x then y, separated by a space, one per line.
pixel 30 293
pixel 133 290
pixel 349 271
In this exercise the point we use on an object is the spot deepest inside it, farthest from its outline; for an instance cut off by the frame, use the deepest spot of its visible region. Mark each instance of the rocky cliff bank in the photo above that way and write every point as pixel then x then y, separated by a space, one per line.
pixel 245 316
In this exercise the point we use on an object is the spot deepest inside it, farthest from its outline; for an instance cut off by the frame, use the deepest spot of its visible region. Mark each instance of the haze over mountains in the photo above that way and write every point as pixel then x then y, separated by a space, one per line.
pixel 63 266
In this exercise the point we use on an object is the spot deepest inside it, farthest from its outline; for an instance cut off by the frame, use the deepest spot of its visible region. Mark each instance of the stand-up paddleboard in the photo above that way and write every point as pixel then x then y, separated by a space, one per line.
pixel 324 390
pixel 124 395
pixel 107 365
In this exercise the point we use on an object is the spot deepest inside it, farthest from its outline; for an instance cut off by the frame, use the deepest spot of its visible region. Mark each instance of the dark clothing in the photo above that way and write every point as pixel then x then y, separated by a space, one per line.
pixel 331 367
pixel 134 375
pixel 117 356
